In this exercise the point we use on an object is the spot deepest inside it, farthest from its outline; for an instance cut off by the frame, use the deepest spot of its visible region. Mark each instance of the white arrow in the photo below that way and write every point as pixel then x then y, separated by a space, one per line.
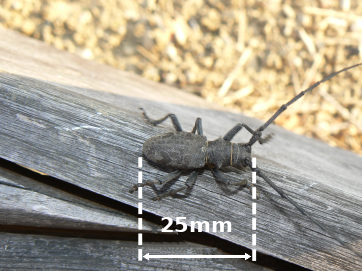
pixel 246 256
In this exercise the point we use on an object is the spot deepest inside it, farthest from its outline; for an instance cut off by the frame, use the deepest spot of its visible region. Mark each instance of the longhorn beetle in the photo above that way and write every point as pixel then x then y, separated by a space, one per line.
pixel 183 150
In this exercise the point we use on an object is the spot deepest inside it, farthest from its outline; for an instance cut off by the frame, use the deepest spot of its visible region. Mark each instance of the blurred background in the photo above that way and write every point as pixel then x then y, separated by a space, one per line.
pixel 252 56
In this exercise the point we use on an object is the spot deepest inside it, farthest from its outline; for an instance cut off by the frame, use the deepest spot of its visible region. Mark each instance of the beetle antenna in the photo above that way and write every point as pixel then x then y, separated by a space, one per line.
pixel 257 134
pixel 300 209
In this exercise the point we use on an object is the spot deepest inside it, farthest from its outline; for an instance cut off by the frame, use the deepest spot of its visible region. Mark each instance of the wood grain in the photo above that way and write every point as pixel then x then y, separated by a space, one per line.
pixel 92 139
pixel 51 252
pixel 26 202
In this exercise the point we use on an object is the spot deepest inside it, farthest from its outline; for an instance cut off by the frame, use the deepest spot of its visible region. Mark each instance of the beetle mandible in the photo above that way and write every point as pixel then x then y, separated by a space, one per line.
pixel 188 150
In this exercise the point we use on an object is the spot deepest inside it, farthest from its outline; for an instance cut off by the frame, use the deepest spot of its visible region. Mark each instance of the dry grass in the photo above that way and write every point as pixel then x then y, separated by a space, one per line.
pixel 249 55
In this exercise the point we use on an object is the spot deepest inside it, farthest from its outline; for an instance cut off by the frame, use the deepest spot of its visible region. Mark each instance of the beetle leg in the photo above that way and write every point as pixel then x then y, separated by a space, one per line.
pixel 266 138
pixel 198 127
pixel 173 117
pixel 250 187
pixel 229 135
pixel 162 180
pixel 170 176
pixel 221 178
pixel 189 183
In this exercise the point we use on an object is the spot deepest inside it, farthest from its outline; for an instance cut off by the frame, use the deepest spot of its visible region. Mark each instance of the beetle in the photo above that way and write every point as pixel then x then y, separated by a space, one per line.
pixel 185 151
pixel 191 151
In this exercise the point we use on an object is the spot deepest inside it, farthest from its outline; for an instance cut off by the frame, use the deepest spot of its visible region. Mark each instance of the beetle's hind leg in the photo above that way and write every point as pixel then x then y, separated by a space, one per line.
pixel 221 178
pixel 189 183
pixel 162 180
pixel 173 117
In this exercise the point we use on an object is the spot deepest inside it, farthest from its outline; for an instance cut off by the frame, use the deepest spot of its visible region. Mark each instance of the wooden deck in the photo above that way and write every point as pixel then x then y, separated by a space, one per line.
pixel 78 123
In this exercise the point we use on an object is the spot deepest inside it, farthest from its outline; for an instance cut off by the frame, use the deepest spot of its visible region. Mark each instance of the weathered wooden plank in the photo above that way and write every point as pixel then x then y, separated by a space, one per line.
pixel 50 252
pixel 29 57
pixel 95 145
pixel 26 202
pixel 324 180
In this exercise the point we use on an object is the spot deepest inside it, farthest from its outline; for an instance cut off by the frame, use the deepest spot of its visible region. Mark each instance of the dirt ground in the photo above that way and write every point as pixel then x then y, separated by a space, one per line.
pixel 249 55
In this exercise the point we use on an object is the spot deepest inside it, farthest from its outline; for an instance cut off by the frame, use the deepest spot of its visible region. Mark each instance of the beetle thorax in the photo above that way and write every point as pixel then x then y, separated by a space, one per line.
pixel 221 153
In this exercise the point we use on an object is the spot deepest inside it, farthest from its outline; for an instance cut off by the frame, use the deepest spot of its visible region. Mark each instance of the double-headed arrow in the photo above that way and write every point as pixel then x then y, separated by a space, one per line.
pixel 246 256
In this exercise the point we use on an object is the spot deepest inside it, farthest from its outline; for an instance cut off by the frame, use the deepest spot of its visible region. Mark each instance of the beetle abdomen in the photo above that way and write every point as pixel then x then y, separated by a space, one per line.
pixel 177 149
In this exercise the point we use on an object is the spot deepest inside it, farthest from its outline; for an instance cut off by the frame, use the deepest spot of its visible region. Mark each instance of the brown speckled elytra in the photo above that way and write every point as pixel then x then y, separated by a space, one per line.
pixel 185 151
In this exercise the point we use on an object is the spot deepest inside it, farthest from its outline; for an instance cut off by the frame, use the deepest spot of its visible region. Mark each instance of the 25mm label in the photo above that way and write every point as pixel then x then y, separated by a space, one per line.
pixel 217 226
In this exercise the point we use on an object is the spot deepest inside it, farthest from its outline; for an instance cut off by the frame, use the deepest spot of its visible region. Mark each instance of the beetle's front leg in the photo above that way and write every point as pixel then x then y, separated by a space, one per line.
pixel 229 135
pixel 221 177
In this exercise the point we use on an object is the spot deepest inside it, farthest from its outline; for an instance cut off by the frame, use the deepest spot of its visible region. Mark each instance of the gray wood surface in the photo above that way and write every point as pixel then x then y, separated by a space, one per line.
pixel 30 252
pixel 92 139
pixel 26 202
